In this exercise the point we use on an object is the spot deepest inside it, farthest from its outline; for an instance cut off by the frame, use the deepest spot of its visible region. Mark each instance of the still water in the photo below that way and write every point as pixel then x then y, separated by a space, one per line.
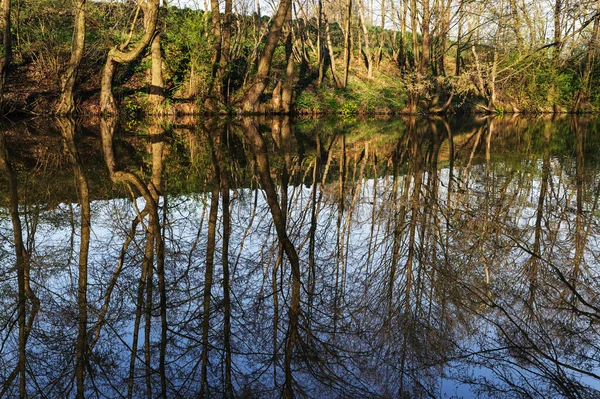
pixel 399 258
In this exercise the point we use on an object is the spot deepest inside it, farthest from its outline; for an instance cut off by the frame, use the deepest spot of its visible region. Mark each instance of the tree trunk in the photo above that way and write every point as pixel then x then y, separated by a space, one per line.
pixel 226 51
pixel 157 87
pixel 582 97
pixel 458 38
pixel 6 56
pixel 252 96
pixel 347 48
pixel 379 55
pixel 413 27
pixel 117 56
pixel 558 5
pixel 516 21
pixel 367 52
pixel 402 45
pixel 442 37
pixel 426 39
pixel 287 89
pixel 336 80
pixel 215 89
pixel 320 57
pixel 66 104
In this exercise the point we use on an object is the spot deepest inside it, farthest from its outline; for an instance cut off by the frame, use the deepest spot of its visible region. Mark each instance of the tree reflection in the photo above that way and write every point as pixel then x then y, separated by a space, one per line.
pixel 28 303
pixel 67 127
pixel 153 260
pixel 269 258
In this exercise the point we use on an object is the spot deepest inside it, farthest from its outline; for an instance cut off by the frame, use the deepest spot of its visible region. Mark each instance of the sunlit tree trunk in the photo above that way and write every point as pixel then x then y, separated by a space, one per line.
pixel 381 34
pixel 256 88
pixel 320 58
pixel 287 89
pixel 492 81
pixel 347 47
pixel 426 39
pixel 558 5
pixel 402 45
pixel 458 39
pixel 66 103
pixel 516 23
pixel 443 29
pixel 117 55
pixel 336 80
pixel 217 31
pixel 582 96
pixel 413 28
pixel 303 43
pixel 367 49
pixel 6 56
pixel 226 50
pixel 157 90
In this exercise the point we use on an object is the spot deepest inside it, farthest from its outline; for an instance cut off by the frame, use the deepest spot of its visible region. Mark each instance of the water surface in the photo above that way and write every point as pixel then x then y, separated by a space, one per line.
pixel 405 257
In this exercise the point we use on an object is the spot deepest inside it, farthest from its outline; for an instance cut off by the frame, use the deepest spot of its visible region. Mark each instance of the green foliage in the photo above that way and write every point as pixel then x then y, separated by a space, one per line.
pixel 537 85
pixel 307 101
pixel 349 108
pixel 187 47
pixel 528 80
pixel 380 95
pixel 45 29
pixel 43 33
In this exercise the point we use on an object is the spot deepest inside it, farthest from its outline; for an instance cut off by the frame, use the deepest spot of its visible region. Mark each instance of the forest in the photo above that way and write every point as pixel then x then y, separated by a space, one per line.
pixel 398 258
pixel 299 199
pixel 299 56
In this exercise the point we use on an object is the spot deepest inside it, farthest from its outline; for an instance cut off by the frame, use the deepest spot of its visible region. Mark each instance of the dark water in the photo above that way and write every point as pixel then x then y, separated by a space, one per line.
pixel 412 258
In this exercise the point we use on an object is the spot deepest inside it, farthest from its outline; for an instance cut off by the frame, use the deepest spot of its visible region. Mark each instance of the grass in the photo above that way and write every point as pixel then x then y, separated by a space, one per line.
pixel 380 95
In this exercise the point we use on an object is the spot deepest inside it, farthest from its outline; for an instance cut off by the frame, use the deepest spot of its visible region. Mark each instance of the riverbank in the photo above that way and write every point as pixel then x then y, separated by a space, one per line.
pixel 32 89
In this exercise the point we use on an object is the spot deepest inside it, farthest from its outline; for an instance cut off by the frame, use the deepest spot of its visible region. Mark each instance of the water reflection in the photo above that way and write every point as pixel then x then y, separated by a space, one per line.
pixel 319 258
